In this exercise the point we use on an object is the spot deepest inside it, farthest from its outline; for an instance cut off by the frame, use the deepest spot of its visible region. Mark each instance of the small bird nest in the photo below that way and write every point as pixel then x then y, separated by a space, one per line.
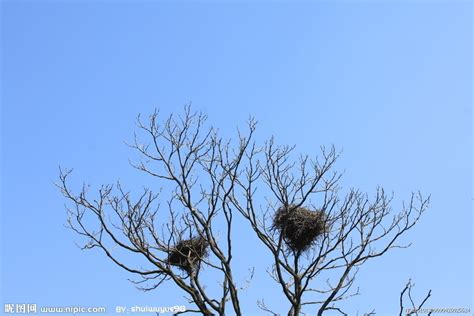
pixel 187 253
pixel 300 226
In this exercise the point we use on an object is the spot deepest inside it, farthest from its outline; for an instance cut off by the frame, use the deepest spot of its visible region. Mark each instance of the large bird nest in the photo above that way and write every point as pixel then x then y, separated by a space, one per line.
pixel 299 226
pixel 188 253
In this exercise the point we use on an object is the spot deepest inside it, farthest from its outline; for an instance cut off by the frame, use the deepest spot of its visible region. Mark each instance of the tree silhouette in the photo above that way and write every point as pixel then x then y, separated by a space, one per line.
pixel 313 230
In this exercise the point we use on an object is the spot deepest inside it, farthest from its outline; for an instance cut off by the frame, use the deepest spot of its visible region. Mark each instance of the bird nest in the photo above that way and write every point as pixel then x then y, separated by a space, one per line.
pixel 187 253
pixel 299 226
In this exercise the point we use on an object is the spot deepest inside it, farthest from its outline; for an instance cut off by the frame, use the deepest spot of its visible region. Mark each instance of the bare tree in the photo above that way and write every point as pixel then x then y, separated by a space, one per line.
pixel 356 228
pixel 202 170
pixel 312 229
pixel 413 309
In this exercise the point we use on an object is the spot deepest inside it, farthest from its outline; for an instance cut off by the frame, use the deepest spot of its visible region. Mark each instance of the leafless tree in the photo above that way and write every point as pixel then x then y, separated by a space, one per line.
pixel 413 309
pixel 206 181
pixel 202 170
pixel 358 228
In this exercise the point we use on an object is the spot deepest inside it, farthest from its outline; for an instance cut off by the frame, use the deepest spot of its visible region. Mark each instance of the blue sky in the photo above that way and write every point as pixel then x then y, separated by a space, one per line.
pixel 390 83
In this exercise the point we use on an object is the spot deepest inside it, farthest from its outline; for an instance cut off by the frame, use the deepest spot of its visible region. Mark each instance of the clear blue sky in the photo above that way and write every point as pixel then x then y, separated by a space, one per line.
pixel 390 83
